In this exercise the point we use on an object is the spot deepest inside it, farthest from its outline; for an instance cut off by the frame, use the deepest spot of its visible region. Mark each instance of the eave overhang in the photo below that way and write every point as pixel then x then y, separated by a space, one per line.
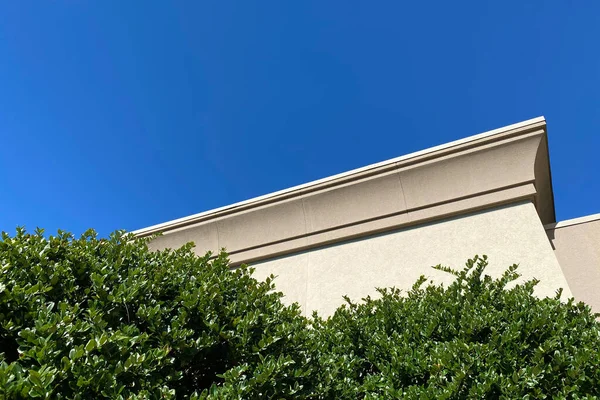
pixel 495 168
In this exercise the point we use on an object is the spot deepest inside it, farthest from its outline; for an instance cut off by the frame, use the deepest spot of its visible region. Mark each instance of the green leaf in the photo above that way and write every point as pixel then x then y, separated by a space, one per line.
pixel 34 377
pixel 91 345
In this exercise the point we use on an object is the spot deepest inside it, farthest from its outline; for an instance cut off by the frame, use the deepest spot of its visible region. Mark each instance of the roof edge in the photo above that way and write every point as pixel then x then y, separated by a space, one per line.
pixel 572 221
pixel 176 223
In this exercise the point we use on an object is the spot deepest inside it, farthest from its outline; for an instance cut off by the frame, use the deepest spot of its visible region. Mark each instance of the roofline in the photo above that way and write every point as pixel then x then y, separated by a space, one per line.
pixel 202 215
pixel 572 221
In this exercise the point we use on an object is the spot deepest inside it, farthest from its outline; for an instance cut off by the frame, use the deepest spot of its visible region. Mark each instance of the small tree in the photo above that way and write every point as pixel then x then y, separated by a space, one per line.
pixel 95 318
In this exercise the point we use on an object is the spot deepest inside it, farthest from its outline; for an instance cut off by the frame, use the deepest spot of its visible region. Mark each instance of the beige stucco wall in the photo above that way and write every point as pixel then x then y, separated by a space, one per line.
pixel 318 278
pixel 577 248
pixel 385 224
pixel 482 172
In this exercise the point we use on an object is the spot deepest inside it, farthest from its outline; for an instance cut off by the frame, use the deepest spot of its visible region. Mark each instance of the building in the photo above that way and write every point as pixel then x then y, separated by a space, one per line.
pixel 386 224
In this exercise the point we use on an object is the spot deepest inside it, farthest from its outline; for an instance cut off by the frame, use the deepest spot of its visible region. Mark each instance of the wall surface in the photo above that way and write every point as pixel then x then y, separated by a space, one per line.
pixel 481 172
pixel 385 224
pixel 576 244
pixel 318 278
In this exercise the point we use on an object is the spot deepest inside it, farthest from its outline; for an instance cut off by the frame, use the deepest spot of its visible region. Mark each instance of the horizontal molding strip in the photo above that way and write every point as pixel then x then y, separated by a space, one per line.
pixel 500 167
pixel 574 221
pixel 513 195
pixel 358 173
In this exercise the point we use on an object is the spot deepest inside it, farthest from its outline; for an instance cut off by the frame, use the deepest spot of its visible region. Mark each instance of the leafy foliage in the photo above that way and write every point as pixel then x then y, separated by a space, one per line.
pixel 108 318
pixel 91 318
pixel 475 339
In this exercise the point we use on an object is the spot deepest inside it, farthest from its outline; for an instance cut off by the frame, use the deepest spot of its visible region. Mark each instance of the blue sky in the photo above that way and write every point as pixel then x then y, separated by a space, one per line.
pixel 120 115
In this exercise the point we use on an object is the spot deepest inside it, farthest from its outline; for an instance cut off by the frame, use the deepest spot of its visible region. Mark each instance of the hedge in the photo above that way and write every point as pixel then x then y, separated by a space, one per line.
pixel 96 318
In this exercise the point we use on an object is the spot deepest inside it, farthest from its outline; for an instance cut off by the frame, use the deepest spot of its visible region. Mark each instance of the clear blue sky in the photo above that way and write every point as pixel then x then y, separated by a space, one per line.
pixel 123 114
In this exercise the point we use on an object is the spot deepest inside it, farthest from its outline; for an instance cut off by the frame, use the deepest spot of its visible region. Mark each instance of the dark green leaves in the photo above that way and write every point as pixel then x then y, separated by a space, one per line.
pixel 107 318
pixel 98 318
pixel 474 339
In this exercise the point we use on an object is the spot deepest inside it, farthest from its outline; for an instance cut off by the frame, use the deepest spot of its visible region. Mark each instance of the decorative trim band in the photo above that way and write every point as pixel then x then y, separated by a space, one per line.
pixel 499 167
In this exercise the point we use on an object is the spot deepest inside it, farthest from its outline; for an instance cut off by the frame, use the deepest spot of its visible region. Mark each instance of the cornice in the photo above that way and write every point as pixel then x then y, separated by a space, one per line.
pixel 574 221
pixel 498 167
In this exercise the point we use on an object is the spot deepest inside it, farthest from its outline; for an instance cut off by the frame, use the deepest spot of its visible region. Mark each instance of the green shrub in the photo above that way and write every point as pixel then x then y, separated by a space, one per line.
pixel 95 318
pixel 92 318
pixel 474 339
